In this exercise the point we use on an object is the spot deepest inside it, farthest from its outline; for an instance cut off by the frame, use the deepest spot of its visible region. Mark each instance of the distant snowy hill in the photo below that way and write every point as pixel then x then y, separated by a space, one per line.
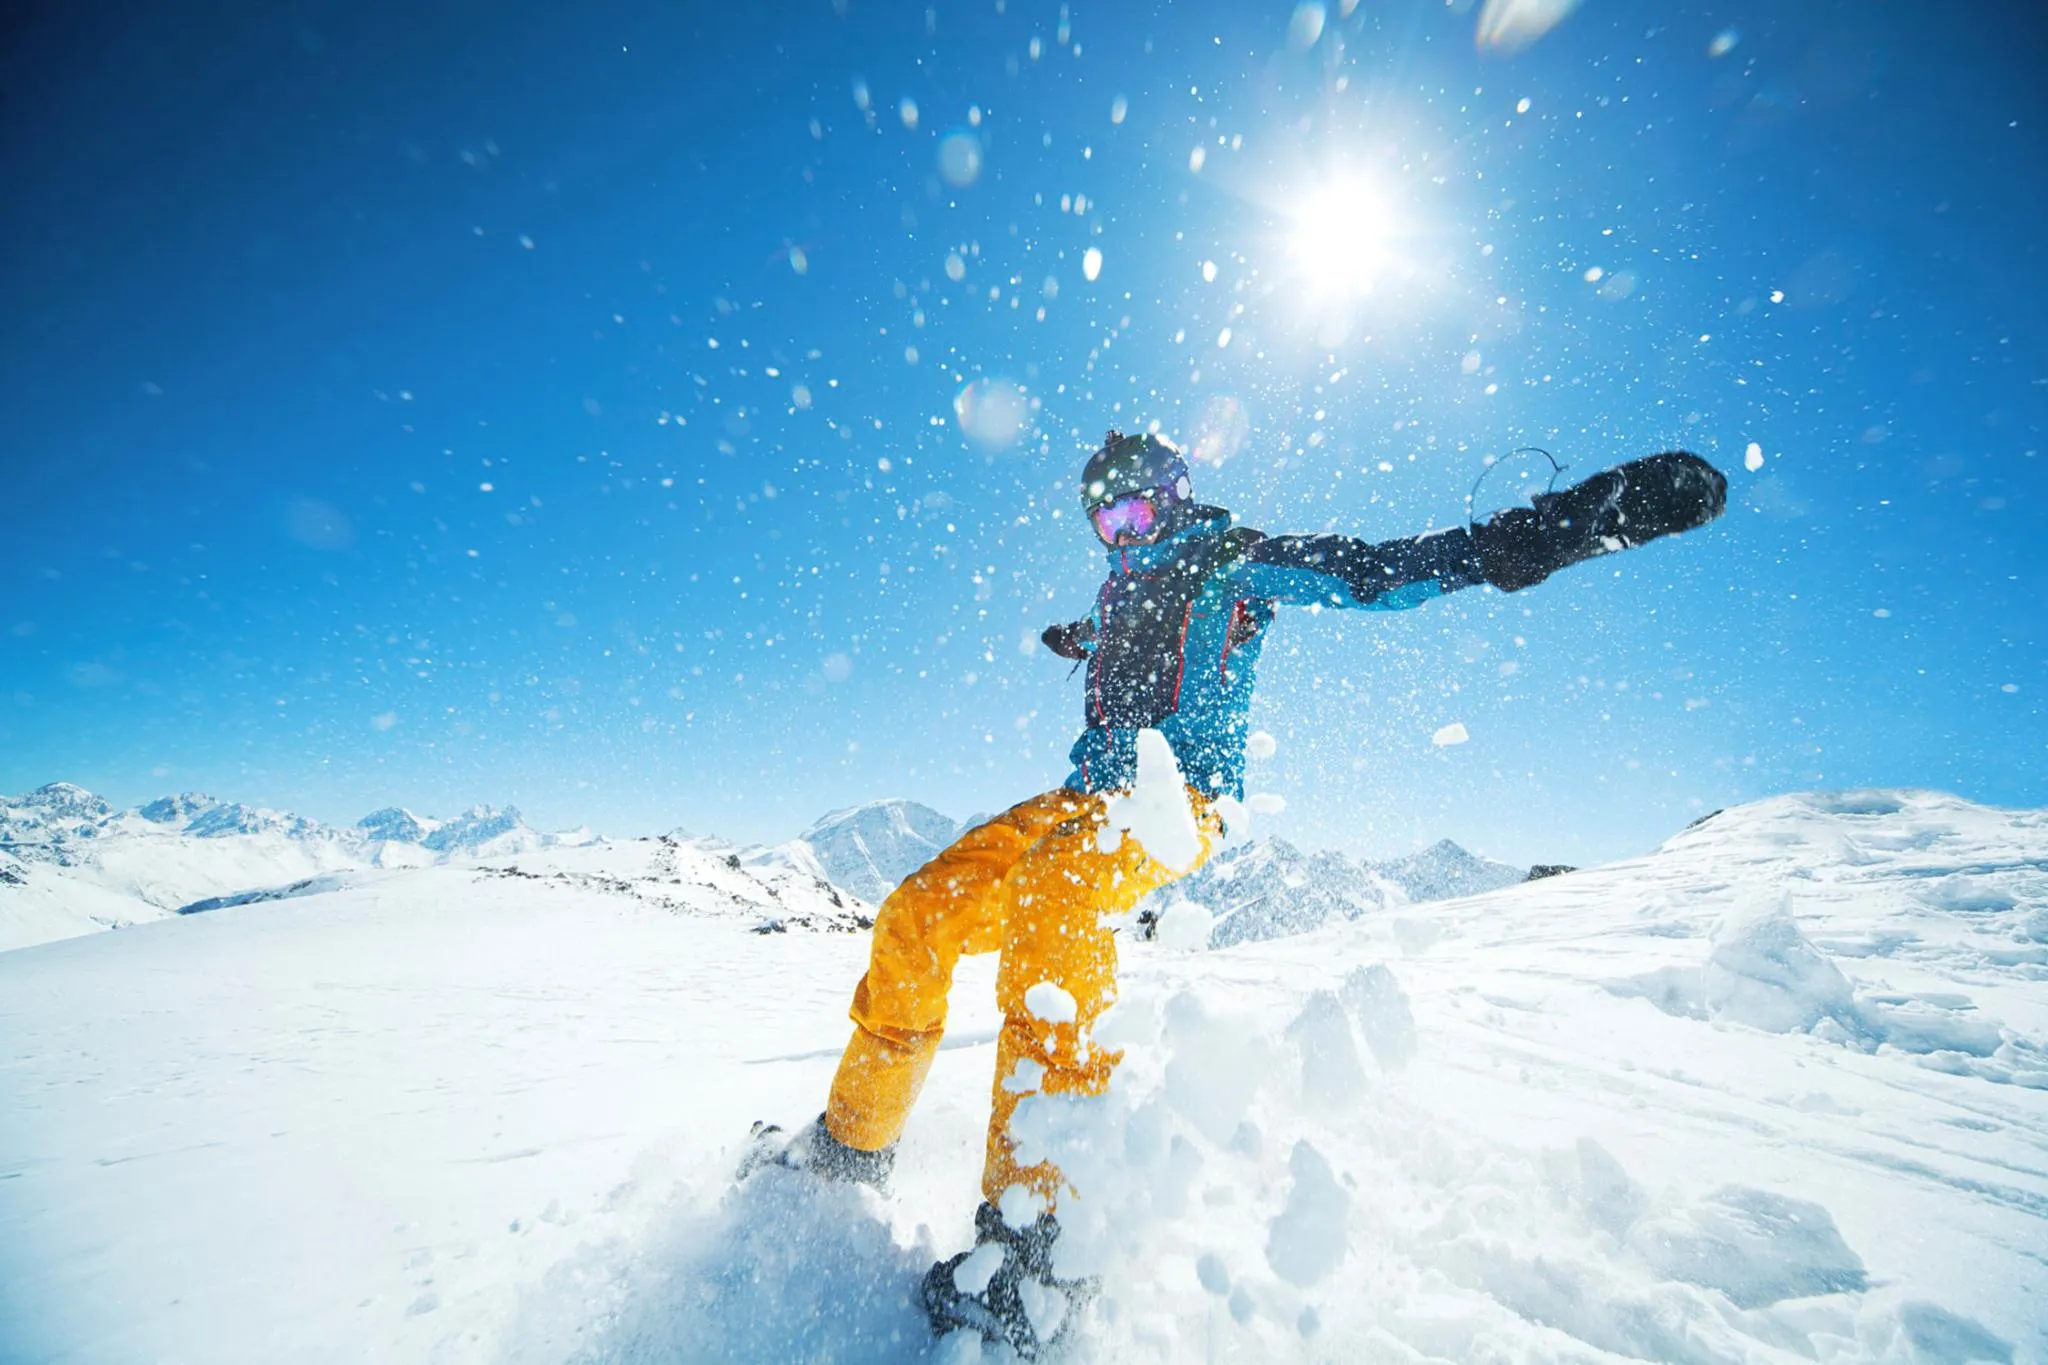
pixel 72 864
pixel 1267 888
pixel 1774 1093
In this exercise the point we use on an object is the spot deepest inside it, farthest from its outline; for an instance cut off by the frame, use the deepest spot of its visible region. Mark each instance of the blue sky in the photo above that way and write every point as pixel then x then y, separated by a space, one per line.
pixel 563 405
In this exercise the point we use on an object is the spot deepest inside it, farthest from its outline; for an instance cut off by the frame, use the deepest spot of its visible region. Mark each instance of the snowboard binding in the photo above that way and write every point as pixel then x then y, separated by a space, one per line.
pixel 1004 1288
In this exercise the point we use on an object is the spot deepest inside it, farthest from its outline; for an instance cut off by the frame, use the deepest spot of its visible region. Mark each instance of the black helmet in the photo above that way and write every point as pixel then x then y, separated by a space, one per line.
pixel 1134 464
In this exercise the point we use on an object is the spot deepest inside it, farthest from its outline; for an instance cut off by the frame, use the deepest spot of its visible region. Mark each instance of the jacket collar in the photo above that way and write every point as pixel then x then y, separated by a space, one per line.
pixel 1202 523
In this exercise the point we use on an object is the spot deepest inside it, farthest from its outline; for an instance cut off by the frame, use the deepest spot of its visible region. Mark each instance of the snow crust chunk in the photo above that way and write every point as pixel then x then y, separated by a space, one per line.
pixel 1764 973
pixel 1306 1241
pixel 1052 1003
pixel 1156 811
pixel 1185 926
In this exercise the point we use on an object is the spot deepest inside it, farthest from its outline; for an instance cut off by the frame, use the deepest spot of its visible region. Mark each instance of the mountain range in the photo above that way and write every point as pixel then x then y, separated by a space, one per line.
pixel 72 863
pixel 1268 888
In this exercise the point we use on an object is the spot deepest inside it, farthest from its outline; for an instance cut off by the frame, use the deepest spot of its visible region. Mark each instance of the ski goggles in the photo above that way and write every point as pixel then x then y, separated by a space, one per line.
pixel 1133 514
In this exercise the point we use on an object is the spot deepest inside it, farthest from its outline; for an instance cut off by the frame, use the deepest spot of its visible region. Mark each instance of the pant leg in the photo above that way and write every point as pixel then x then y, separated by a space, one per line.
pixel 1054 937
pixel 947 908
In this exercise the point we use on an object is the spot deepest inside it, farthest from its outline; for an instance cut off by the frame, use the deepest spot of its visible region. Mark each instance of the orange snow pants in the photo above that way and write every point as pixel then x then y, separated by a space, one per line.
pixel 1033 884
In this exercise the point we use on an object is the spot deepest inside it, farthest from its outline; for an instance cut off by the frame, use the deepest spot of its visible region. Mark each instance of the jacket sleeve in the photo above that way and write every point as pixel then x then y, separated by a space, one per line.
pixel 1337 571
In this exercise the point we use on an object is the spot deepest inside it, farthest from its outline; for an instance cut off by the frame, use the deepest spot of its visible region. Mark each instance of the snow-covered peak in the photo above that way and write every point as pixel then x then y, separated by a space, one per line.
pixel 177 810
pixel 236 817
pixel 65 801
pixel 484 828
pixel 51 815
pixel 1444 870
pixel 1268 888
pixel 397 825
pixel 868 849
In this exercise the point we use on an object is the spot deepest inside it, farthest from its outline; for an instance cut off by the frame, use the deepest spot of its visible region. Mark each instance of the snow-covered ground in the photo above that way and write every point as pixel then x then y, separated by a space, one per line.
pixel 1776 1092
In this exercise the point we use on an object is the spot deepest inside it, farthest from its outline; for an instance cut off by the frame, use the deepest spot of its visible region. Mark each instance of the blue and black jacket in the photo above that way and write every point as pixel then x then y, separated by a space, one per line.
pixel 1173 643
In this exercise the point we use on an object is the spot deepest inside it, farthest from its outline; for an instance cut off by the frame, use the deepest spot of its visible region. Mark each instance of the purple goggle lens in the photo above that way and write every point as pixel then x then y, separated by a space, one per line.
pixel 1132 514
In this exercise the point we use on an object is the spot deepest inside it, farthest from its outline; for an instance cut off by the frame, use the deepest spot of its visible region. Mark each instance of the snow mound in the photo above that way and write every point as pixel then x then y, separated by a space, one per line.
pixel 1764 973
pixel 1756 1247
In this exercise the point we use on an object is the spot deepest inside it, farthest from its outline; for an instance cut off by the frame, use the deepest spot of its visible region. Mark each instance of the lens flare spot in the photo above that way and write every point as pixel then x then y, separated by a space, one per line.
pixel 1091 264
pixel 1306 26
pixel 1221 430
pixel 992 413
pixel 1510 26
pixel 1618 286
pixel 960 158
pixel 320 525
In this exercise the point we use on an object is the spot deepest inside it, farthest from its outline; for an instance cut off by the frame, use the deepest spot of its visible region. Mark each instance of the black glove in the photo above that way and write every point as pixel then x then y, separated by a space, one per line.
pixel 1616 509
pixel 1071 640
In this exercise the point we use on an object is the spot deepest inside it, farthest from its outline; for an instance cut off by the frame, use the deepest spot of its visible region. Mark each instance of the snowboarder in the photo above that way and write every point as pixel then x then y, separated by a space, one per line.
pixel 1172 645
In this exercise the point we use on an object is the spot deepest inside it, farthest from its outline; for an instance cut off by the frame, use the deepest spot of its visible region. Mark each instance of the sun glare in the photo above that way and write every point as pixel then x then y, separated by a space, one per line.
pixel 1343 234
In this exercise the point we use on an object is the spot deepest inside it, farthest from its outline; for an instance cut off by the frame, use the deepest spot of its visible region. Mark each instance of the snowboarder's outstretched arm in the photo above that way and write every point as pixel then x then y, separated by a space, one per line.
pixel 1338 571
pixel 1616 509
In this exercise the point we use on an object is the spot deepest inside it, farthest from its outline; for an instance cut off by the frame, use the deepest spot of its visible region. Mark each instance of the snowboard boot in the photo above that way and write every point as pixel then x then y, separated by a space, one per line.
pixel 814 1149
pixel 1004 1288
